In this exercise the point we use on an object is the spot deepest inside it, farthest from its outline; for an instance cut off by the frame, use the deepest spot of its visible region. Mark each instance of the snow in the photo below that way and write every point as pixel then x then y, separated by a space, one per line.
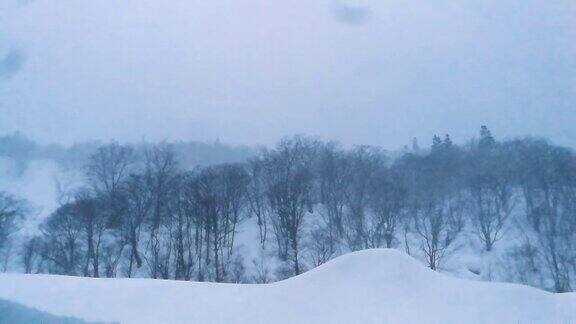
pixel 371 286
pixel 37 184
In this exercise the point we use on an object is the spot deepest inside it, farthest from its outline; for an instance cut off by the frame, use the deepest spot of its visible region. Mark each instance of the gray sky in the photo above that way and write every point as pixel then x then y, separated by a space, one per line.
pixel 251 71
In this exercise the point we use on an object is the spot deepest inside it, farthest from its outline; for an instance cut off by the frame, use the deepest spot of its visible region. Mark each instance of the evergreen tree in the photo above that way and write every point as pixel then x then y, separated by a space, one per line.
pixel 447 141
pixel 436 143
pixel 486 139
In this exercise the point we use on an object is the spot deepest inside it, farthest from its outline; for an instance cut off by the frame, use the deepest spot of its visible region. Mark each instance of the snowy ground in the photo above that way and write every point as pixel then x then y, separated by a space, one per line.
pixel 372 286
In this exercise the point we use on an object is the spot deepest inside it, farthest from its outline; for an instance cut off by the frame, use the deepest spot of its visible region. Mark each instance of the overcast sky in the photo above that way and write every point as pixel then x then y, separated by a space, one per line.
pixel 251 71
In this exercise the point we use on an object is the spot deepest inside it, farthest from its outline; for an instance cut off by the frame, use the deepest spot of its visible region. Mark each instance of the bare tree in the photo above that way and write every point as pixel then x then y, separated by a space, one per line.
pixel 438 222
pixel 62 241
pixel 289 190
pixel 262 272
pixel 549 186
pixel 12 211
pixel 235 182
pixel 93 223
pixel 365 162
pixel 256 198
pixel 108 167
pixel 219 193
pixel 106 172
pixel 387 202
pixel 320 246
pixel 491 207
pixel 491 189
pixel 185 214
pixel 31 254
pixel 161 172
pixel 437 201
pixel 334 172
pixel 138 207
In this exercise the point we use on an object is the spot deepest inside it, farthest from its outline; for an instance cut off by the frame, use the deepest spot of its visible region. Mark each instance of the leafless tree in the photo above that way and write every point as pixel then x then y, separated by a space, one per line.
pixel 256 198
pixel 161 172
pixel 93 222
pixel 438 222
pixel 219 194
pixel 108 167
pixel 320 246
pixel 106 172
pixel 437 201
pixel 62 241
pixel 549 188
pixel 138 207
pixel 365 162
pixel 185 216
pixel 492 192
pixel 289 190
pixel 31 254
pixel 334 173
pixel 12 211
pixel 387 203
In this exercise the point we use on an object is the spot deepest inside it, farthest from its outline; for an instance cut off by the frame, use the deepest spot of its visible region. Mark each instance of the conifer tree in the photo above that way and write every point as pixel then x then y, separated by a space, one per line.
pixel 486 139
pixel 436 143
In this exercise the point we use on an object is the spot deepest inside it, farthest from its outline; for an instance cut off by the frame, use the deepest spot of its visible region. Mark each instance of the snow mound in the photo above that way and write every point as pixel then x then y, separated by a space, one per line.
pixel 371 286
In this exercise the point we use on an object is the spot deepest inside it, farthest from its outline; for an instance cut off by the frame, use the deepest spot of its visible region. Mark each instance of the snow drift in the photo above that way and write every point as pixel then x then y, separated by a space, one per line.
pixel 372 286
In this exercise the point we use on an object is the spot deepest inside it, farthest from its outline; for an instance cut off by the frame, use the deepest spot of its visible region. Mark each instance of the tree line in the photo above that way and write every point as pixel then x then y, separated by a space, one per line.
pixel 144 214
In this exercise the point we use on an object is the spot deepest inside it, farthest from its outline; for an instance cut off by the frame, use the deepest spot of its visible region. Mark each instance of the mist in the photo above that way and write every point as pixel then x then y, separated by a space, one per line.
pixel 377 159
pixel 251 72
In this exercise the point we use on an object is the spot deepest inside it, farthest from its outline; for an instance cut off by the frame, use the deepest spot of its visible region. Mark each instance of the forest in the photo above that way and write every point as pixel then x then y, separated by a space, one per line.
pixel 146 212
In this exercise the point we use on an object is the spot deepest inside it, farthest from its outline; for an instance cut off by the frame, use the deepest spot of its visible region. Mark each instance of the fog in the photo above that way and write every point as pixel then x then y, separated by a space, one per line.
pixel 249 72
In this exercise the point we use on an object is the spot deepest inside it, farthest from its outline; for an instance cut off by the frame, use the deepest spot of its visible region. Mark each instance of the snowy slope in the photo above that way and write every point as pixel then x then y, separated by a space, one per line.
pixel 372 286
pixel 37 185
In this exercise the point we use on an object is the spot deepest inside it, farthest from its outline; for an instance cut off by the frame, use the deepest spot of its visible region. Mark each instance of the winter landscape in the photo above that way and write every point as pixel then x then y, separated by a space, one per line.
pixel 330 161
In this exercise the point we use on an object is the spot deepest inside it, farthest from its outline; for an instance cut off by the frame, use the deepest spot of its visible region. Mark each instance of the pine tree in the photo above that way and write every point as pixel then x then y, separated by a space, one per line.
pixel 447 141
pixel 436 143
pixel 486 139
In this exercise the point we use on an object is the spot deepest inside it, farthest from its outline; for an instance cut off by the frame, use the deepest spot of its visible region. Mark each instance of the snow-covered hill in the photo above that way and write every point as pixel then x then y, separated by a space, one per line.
pixel 372 286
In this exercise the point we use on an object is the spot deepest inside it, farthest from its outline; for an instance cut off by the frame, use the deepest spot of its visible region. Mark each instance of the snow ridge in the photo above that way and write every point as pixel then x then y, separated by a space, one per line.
pixel 370 286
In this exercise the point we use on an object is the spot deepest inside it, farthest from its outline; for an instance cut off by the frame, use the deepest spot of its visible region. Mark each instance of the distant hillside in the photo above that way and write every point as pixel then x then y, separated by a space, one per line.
pixel 22 150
